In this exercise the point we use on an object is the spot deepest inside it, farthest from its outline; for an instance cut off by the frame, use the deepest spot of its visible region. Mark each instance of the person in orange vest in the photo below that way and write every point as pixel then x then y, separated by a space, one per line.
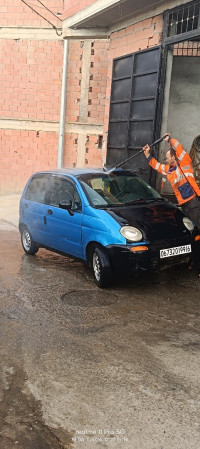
pixel 179 172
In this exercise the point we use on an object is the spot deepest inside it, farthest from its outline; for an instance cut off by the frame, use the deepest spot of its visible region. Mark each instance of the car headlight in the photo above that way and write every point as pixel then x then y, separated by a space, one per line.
pixel 130 233
pixel 188 224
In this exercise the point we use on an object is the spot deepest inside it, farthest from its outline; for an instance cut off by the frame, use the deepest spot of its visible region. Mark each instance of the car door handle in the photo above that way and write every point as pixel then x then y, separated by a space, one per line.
pixel 26 205
pixel 50 212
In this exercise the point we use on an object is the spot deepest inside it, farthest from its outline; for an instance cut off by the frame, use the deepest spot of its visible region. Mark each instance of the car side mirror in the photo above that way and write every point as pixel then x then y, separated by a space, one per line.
pixel 66 204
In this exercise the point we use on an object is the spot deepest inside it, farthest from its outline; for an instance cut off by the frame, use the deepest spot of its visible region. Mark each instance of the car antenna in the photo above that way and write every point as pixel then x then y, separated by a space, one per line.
pixel 134 155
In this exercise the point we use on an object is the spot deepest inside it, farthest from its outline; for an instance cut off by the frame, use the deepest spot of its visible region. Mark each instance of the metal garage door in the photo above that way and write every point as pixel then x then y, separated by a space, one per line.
pixel 134 96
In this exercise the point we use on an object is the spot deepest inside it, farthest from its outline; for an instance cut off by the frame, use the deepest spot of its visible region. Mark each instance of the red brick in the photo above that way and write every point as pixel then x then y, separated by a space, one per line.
pixel 147 23
pixel 144 33
pixel 155 40
pixel 158 18
pixel 159 26
pixel 129 29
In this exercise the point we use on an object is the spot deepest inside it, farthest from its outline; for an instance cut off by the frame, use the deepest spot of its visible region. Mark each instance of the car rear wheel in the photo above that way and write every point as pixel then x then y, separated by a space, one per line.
pixel 101 267
pixel 29 246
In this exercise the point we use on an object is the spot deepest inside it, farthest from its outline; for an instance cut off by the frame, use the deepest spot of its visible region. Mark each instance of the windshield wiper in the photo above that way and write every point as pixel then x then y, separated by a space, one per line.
pixel 106 206
pixel 143 200
pixel 129 203
pixel 138 200
pixel 155 199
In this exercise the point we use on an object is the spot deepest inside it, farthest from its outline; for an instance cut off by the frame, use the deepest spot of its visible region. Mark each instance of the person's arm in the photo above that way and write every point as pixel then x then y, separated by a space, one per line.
pixel 180 153
pixel 160 168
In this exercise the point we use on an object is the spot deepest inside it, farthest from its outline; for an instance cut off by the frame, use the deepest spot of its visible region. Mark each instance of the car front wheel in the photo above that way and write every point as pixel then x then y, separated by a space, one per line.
pixel 101 267
pixel 29 246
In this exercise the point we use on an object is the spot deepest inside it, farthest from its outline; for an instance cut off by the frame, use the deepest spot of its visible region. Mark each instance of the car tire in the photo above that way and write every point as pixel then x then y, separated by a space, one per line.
pixel 101 267
pixel 29 246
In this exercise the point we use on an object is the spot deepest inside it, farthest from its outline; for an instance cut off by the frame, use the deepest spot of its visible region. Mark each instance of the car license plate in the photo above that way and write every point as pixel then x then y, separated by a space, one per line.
pixel 176 251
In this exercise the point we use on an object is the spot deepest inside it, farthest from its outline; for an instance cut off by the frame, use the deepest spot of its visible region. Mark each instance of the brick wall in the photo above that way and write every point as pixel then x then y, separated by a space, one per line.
pixel 30 79
pixel 142 35
pixel 30 89
pixel 97 66
pixel 71 7
pixel 23 153
pixel 16 13
pixel 74 81
pixel 98 81
pixel 93 155
pixel 70 152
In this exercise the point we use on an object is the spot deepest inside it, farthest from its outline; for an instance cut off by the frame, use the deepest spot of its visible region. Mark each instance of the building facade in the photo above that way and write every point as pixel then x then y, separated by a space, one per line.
pixel 31 77
pixel 93 88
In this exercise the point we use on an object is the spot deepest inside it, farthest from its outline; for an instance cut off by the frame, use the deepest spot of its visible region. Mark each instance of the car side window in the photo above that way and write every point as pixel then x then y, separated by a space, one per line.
pixel 37 189
pixel 64 190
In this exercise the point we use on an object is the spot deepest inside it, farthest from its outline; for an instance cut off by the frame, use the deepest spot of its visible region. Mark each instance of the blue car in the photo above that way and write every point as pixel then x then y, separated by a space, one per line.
pixel 113 220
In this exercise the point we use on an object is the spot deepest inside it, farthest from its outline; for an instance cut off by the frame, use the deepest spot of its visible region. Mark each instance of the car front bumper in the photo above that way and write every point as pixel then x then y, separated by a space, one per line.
pixel 124 260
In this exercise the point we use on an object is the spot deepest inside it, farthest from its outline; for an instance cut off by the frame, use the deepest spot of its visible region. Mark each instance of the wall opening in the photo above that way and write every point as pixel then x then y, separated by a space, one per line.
pixel 181 112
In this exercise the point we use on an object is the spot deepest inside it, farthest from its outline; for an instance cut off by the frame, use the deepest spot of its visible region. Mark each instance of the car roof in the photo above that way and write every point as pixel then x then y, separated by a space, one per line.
pixel 79 171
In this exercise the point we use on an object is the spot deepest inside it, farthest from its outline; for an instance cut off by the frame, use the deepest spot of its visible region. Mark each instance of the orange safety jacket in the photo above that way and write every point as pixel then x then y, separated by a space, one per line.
pixel 185 187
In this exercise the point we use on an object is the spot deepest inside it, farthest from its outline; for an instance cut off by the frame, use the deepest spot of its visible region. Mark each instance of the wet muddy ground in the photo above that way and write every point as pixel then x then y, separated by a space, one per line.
pixel 86 368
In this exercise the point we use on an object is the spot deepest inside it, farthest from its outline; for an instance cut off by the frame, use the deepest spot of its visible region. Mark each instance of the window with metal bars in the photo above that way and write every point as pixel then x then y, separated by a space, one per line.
pixel 183 19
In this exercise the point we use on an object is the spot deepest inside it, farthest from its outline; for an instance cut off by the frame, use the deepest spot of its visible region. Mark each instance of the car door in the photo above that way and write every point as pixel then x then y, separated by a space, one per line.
pixel 33 207
pixel 64 227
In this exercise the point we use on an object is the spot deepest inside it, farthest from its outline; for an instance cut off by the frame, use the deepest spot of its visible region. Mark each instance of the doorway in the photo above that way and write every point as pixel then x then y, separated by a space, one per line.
pixel 181 112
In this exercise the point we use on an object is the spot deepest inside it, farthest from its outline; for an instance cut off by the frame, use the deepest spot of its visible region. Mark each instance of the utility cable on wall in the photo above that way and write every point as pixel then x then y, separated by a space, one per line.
pixel 44 6
pixel 34 10
pixel 49 10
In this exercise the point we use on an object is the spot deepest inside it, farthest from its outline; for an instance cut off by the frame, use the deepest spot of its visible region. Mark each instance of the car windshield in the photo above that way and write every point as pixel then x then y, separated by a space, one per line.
pixel 116 188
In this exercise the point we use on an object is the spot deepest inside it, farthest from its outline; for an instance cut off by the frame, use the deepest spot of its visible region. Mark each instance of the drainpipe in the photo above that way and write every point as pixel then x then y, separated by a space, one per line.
pixel 61 141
